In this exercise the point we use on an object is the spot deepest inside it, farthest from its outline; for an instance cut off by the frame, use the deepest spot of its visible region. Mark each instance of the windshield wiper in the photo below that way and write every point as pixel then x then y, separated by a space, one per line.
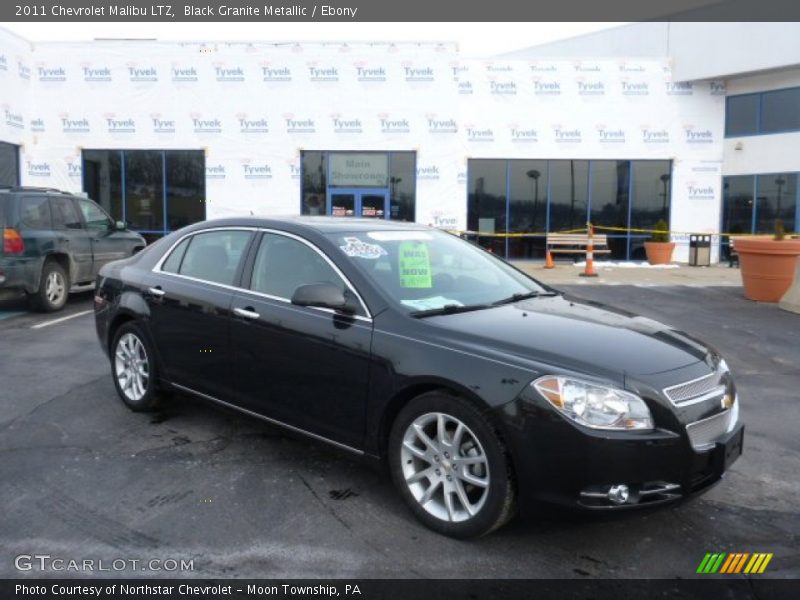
pixel 448 309
pixel 517 297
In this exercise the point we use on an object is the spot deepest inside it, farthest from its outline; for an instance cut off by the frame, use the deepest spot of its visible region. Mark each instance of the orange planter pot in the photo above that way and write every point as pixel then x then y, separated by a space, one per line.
pixel 659 253
pixel 767 266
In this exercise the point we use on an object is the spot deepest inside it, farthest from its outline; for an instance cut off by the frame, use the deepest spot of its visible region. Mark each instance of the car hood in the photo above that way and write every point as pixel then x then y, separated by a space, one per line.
pixel 575 335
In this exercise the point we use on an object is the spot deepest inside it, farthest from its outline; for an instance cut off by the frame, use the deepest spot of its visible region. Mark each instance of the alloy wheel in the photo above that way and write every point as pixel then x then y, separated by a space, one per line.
pixel 132 367
pixel 55 288
pixel 445 467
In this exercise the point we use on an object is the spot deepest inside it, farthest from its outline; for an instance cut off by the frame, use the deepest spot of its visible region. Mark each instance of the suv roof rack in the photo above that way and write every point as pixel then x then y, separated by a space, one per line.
pixel 30 188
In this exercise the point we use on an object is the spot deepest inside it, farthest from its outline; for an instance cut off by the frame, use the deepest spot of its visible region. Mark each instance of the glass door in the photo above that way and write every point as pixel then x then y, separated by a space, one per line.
pixel 374 205
pixel 359 202
pixel 342 204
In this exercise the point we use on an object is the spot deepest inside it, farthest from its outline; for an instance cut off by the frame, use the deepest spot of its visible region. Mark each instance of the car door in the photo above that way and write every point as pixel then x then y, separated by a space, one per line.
pixel 72 237
pixel 306 367
pixel 189 295
pixel 106 244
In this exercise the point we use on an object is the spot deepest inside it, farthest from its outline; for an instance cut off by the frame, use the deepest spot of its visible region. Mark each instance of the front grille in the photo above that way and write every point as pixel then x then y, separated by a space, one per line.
pixel 703 433
pixel 695 390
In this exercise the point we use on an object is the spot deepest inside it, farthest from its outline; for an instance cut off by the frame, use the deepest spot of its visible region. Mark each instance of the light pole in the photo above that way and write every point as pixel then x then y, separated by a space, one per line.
pixel 664 180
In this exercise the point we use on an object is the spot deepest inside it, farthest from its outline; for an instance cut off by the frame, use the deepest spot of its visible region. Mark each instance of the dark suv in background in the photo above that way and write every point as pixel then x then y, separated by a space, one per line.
pixel 54 243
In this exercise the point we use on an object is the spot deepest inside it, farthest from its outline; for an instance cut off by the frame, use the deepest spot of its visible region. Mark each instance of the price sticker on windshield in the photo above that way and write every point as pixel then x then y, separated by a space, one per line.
pixel 415 265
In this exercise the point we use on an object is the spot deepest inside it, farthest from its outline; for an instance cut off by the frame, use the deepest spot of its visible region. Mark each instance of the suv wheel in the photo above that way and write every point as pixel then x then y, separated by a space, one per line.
pixel 451 467
pixel 133 368
pixel 53 288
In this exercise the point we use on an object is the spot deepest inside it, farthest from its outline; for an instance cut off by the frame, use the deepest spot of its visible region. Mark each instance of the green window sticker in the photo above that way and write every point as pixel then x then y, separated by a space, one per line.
pixel 415 265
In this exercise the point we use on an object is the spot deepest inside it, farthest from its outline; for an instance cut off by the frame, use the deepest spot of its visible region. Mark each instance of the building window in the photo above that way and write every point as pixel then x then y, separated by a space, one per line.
pixel 9 164
pixel 780 111
pixel 527 207
pixel 487 202
pixel 154 191
pixel 363 184
pixel 753 203
pixel 651 189
pixel 535 197
pixel 775 111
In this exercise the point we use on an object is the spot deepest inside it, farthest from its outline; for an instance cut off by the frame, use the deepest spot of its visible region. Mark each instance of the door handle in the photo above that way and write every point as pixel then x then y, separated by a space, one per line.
pixel 247 313
pixel 156 291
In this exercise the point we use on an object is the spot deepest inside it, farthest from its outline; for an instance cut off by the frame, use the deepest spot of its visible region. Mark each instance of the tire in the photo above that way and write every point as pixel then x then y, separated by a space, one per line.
pixel 133 368
pixel 53 288
pixel 471 454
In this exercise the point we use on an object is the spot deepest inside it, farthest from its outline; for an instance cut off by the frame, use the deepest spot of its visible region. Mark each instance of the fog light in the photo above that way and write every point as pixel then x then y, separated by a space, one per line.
pixel 618 494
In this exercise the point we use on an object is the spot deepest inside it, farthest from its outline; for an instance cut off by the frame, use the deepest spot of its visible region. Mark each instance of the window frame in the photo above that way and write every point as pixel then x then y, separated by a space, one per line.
pixel 86 226
pixel 246 267
pixel 759 113
pixel 75 207
pixel 21 224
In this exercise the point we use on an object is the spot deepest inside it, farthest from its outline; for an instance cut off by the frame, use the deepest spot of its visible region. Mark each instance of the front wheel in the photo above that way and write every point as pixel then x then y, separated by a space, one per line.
pixel 133 368
pixel 451 467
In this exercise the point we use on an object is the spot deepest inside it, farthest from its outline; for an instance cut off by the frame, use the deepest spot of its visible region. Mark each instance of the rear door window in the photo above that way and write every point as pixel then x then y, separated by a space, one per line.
pixel 65 213
pixel 34 213
pixel 215 256
pixel 173 262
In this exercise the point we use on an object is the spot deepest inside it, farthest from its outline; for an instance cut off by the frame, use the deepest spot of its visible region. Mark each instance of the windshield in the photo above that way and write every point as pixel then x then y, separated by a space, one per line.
pixel 430 270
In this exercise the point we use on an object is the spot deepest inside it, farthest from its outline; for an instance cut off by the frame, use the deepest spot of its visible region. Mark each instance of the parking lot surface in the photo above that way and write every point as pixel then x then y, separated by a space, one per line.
pixel 84 478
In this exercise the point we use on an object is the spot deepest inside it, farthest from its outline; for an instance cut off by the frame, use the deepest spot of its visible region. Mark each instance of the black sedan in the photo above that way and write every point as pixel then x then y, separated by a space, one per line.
pixel 484 390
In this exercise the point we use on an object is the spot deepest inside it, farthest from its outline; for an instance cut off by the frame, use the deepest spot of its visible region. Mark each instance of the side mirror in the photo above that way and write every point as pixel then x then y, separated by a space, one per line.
pixel 322 295
pixel 120 226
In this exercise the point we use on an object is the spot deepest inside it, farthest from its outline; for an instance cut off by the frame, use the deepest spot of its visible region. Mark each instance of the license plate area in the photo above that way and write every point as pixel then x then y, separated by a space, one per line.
pixel 730 449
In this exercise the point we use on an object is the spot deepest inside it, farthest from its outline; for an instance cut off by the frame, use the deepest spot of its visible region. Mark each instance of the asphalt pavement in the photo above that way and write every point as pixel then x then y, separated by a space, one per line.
pixel 84 478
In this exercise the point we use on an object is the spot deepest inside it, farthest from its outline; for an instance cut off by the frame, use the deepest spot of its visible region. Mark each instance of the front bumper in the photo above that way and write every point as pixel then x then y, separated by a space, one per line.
pixel 558 462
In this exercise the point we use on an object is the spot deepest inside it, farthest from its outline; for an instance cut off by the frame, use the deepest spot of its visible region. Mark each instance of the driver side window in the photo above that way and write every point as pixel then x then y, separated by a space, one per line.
pixel 96 219
pixel 283 264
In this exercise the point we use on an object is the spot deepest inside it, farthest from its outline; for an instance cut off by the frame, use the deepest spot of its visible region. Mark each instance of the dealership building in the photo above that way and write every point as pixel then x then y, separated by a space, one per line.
pixel 695 123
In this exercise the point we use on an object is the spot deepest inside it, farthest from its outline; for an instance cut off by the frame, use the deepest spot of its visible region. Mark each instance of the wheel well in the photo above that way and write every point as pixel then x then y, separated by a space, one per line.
pixel 403 397
pixel 62 260
pixel 118 322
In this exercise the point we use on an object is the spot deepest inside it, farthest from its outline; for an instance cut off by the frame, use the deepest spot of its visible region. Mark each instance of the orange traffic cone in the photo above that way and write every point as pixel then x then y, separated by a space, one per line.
pixel 589 269
pixel 548 260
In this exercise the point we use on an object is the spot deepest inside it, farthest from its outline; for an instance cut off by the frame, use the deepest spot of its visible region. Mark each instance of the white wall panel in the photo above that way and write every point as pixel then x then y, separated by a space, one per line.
pixel 254 107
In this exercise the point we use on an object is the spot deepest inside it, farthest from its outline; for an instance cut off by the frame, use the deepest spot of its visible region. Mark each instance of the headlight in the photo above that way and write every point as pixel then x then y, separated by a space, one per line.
pixel 595 406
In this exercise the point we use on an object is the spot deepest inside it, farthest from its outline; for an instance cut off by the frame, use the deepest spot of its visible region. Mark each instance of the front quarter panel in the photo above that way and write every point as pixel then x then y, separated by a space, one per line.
pixel 408 359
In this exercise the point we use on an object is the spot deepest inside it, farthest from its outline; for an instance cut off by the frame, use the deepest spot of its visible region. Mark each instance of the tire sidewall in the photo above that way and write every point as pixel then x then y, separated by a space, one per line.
pixel 42 301
pixel 501 489
pixel 150 400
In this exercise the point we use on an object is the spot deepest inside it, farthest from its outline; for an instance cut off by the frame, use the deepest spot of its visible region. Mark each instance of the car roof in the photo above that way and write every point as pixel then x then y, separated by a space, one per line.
pixel 317 224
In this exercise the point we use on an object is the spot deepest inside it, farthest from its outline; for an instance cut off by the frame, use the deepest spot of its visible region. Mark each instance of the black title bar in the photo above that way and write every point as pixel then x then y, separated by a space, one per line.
pixel 399 10
pixel 738 588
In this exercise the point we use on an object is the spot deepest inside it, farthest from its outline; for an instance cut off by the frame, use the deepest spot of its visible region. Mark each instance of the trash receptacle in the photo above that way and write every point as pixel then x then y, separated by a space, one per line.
pixel 699 250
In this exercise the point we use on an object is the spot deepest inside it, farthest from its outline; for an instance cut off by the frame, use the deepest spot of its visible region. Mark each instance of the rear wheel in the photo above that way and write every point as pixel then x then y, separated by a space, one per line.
pixel 53 288
pixel 133 368
pixel 451 467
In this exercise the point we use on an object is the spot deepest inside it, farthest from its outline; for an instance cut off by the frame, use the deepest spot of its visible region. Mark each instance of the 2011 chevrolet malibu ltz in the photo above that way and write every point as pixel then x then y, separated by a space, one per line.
pixel 483 389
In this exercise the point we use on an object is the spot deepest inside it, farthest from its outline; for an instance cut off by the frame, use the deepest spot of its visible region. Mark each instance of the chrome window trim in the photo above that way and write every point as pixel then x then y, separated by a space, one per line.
pixel 270 420
pixel 157 269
